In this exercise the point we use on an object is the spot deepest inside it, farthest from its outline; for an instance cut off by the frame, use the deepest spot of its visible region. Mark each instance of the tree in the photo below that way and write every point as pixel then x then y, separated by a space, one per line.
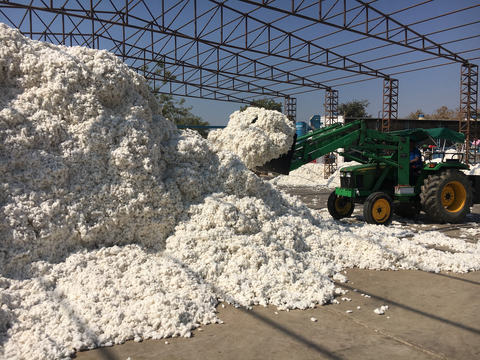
pixel 160 73
pixel 354 108
pixel 265 103
pixel 443 113
pixel 415 115
pixel 174 110
pixel 458 114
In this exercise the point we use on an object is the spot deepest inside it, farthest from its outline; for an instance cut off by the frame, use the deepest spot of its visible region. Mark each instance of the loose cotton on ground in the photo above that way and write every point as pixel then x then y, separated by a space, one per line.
pixel 115 226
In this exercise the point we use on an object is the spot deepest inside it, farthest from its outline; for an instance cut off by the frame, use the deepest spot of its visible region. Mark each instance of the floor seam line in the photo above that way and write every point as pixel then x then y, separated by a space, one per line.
pixel 389 335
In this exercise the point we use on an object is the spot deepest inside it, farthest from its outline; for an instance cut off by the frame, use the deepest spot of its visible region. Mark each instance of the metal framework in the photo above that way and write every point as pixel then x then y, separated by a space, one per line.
pixel 331 107
pixel 331 117
pixel 239 50
pixel 352 15
pixel 291 108
pixel 468 109
pixel 390 105
pixel 196 62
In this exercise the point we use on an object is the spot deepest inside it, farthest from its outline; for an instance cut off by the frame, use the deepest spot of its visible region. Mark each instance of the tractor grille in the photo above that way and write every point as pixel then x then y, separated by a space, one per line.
pixel 347 182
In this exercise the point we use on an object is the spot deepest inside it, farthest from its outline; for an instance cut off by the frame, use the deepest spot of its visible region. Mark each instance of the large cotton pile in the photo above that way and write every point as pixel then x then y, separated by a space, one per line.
pixel 115 226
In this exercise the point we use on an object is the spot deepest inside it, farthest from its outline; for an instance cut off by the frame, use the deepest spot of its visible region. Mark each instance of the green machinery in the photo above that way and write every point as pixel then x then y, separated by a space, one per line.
pixel 384 183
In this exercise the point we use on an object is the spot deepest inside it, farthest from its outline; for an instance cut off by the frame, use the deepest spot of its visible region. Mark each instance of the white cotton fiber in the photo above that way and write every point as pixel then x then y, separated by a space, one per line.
pixel 116 226
pixel 474 170
pixel 311 175
pixel 256 135
pixel 84 153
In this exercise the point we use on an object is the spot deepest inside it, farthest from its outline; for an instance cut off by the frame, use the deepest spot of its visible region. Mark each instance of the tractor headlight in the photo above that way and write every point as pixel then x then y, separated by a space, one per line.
pixel 342 174
pixel 348 174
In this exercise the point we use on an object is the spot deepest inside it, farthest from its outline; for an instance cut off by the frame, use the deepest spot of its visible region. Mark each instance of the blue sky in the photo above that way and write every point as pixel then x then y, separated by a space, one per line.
pixel 427 90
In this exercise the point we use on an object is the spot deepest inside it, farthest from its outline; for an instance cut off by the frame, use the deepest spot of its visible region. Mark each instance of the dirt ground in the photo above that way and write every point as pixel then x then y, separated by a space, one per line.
pixel 429 316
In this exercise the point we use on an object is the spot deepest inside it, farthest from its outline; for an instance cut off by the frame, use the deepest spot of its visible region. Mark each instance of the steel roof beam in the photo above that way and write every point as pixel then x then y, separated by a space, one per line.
pixel 401 35
pixel 90 14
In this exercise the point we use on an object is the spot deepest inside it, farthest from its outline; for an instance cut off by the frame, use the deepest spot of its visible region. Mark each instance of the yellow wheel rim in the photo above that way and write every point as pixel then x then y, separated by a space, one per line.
pixel 454 196
pixel 342 206
pixel 381 210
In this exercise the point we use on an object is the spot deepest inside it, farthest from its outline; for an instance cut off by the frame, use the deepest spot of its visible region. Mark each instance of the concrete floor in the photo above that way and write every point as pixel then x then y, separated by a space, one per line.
pixel 430 316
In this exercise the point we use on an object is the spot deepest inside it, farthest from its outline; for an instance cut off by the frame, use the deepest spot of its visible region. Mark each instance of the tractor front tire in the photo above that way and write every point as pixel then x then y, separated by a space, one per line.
pixel 447 196
pixel 338 207
pixel 378 209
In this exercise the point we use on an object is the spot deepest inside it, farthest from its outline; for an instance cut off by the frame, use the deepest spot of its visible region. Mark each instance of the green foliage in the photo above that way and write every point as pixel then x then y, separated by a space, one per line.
pixel 159 73
pixel 173 109
pixel 442 113
pixel 354 108
pixel 265 103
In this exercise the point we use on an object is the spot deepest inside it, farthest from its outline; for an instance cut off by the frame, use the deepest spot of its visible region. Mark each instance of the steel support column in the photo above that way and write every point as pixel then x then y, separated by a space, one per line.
pixel 331 117
pixel 468 109
pixel 291 108
pixel 390 105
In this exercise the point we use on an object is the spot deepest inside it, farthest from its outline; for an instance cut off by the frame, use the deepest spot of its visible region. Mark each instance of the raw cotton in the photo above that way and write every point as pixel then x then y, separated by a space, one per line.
pixel 84 151
pixel 256 135
pixel 474 170
pixel 311 175
pixel 115 226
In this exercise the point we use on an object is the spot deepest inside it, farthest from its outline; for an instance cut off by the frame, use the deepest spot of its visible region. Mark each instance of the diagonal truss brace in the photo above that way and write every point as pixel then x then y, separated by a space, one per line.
pixel 390 105
pixel 153 28
pixel 311 53
pixel 388 29
pixel 331 117
pixel 468 108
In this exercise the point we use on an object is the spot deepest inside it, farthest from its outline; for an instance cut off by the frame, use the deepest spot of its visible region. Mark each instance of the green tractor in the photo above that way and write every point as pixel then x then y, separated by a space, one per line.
pixel 384 182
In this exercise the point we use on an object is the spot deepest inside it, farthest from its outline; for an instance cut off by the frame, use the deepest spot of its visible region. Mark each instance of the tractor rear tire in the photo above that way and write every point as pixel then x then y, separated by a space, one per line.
pixel 338 207
pixel 408 209
pixel 447 196
pixel 378 209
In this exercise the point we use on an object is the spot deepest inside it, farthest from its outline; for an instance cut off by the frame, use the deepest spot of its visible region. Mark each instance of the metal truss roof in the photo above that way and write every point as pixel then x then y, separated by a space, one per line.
pixel 237 50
